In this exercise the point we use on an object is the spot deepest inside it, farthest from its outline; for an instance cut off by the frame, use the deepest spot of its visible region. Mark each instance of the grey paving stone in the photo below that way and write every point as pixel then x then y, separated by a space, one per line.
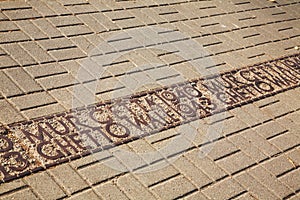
pixel 37 52
pixel 43 70
pixel 110 190
pixel 9 114
pixel 191 172
pixel 33 100
pixel 294 156
pixel 15 36
pixel 67 178
pixel 44 25
pixel 100 172
pixel 67 54
pixel 258 141
pixel 62 21
pixel 255 188
pixel 44 186
pixel 8 87
pixel 23 79
pixel 19 54
pixel 235 162
pixel 44 110
pixel 83 8
pixel 6 5
pixel 71 2
pixel 21 14
pixel 92 23
pixel 22 194
pixel 88 194
pixel 41 8
pixel 57 7
pixel 206 165
pixel 173 188
pixel 196 196
pixel 270 181
pixel 12 186
pixel 6 62
pixel 248 148
pixel 279 165
pixel 57 81
pixel 132 188
pixel 223 189
pixel 70 31
pixel 8 26
pixel 292 179
pixel 57 43
pixel 105 21
pixel 30 29
pixel 269 129
pixel 285 141
pixel 155 173
pixel 218 149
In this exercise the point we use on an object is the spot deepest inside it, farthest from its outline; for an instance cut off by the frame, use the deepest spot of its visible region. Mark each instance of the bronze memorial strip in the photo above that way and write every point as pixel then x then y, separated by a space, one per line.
pixel 30 146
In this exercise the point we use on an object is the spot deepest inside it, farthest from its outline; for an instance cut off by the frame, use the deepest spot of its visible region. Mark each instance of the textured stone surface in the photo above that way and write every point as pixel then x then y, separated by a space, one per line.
pixel 250 151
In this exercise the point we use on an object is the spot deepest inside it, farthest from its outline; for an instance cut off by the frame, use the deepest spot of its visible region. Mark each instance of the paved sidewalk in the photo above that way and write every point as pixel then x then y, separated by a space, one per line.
pixel 159 99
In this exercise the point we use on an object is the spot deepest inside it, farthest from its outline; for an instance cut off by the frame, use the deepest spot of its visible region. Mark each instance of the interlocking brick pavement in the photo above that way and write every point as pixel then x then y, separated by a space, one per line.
pixel 52 54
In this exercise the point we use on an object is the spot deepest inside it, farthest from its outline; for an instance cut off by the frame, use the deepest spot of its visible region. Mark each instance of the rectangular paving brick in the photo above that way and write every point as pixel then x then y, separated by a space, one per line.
pixel 87 194
pixel 9 114
pixel 247 147
pixel 41 184
pixel 255 188
pixel 7 61
pixel 105 21
pixel 279 165
pixel 21 14
pixel 23 79
pixel 262 144
pixel 19 54
pixel 291 179
pixel 70 31
pixel 21 194
pixel 30 29
pixel 43 70
pixel 235 162
pixel 224 189
pixel 156 173
pixel 66 98
pixel 57 8
pixel 67 54
pixel 67 178
pixel 285 141
pixel 92 23
pixel 42 8
pixel 173 188
pixel 109 190
pixel 270 181
pixel 132 188
pixel 57 43
pixel 83 8
pixel 33 100
pixel 218 149
pixel 100 172
pixel 8 87
pixel 37 52
pixel 206 165
pixel 49 109
pixel 8 26
pixel 191 172
pixel 57 81
pixel 44 25
pixel 11 186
